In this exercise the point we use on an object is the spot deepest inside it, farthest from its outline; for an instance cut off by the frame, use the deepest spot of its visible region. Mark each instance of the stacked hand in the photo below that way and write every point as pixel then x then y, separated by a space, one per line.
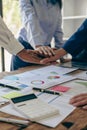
pixel 50 55
pixel 45 50
pixel 42 55
pixel 30 56
pixel 58 53
pixel 38 56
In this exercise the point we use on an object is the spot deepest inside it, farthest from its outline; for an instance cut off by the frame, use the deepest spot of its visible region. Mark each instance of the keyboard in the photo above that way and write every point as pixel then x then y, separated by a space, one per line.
pixel 34 108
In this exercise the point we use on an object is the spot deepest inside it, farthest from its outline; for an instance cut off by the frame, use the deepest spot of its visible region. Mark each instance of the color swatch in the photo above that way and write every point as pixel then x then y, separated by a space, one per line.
pixel 12 95
pixel 60 88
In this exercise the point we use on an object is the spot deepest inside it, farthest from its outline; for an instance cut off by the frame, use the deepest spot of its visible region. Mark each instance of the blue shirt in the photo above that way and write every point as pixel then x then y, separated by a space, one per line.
pixel 78 41
pixel 41 22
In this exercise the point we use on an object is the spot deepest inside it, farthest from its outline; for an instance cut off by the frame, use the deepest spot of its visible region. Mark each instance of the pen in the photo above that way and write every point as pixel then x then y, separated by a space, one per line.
pixel 9 86
pixel 47 91
pixel 14 121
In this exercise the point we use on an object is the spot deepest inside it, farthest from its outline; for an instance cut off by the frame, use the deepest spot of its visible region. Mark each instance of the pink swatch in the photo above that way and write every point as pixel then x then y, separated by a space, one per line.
pixel 60 88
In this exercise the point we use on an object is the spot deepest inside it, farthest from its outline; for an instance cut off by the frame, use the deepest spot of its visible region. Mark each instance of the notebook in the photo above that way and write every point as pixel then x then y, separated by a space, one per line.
pixel 33 108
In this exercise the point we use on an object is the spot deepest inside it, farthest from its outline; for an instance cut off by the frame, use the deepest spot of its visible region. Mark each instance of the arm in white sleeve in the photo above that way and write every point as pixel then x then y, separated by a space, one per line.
pixel 58 36
pixel 7 39
pixel 35 34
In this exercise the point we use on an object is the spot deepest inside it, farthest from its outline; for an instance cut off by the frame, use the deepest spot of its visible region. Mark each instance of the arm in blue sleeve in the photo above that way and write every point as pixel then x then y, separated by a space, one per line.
pixel 78 41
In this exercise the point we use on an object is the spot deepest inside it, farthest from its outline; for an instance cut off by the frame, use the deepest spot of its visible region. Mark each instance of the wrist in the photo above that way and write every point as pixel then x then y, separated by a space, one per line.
pixel 21 52
pixel 60 52
pixel 38 46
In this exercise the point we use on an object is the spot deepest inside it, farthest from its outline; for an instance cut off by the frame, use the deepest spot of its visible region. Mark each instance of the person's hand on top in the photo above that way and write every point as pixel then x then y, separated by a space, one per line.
pixel 45 51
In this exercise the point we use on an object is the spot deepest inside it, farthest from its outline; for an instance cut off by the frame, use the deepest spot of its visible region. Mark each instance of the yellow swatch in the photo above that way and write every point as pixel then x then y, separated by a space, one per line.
pixel 12 95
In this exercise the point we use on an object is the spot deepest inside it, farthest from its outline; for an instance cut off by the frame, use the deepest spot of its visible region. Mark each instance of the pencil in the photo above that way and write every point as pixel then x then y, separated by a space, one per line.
pixel 9 86
pixel 47 91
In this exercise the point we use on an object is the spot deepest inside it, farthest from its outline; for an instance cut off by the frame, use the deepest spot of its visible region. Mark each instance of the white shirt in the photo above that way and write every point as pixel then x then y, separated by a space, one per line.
pixel 41 22
pixel 7 39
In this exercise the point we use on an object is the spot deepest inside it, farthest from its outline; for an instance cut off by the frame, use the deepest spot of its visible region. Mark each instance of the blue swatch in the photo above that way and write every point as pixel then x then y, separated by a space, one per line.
pixel 22 86
pixel 11 77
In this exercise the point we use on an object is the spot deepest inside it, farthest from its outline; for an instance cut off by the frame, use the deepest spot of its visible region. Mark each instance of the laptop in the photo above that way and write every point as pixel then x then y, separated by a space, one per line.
pixel 77 64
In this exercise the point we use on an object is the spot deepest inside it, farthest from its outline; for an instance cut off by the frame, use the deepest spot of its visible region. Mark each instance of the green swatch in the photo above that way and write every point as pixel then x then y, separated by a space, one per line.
pixel 83 83
pixel 12 95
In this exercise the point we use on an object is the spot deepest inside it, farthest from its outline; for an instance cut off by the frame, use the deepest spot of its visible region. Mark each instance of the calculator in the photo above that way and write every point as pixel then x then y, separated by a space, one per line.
pixel 34 108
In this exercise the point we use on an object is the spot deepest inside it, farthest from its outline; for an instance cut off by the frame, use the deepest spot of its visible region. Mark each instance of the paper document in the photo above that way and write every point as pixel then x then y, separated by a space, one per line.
pixel 10 110
pixel 82 75
pixel 45 77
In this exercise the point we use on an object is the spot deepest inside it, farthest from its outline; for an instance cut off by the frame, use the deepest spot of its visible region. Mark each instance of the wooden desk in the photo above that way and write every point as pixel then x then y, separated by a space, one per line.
pixel 78 117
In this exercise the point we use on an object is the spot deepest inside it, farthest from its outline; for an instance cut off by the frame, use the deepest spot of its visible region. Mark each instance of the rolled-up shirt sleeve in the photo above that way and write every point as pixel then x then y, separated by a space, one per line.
pixel 35 34
pixel 58 35
pixel 78 41
pixel 7 39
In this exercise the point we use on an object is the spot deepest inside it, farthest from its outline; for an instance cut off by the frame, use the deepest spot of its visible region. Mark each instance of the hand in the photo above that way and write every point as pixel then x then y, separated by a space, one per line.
pixel 58 54
pixel 45 50
pixel 29 56
pixel 79 100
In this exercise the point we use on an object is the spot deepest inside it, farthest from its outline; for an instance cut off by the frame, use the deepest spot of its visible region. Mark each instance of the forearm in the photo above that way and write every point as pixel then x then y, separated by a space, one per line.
pixel 78 41
pixel 7 39
pixel 58 35
pixel 60 53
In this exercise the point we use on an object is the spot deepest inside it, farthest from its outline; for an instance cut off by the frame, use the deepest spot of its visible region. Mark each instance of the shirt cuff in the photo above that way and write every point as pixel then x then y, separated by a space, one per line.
pixel 17 47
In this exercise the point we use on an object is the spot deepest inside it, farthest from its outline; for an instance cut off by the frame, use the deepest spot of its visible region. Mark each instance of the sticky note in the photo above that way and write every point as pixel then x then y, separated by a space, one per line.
pixel 12 95
pixel 60 88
